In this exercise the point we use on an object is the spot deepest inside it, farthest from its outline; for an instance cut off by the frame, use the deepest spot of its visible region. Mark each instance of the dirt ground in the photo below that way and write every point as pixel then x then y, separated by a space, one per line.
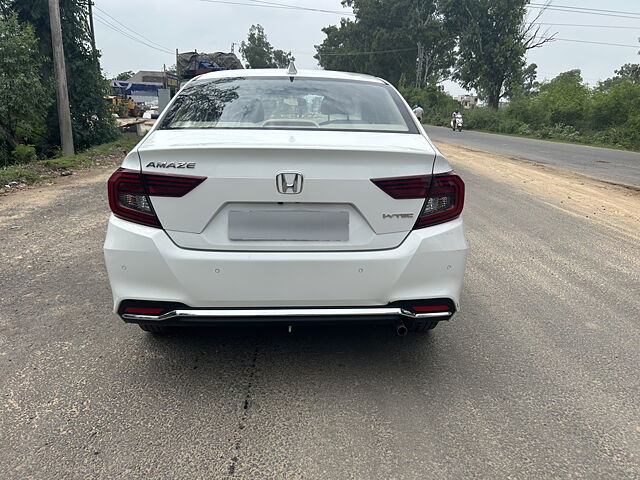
pixel 29 199
pixel 612 205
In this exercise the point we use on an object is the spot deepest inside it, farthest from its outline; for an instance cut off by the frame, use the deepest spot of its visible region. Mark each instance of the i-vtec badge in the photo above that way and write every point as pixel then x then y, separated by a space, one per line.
pixel 171 165
pixel 397 215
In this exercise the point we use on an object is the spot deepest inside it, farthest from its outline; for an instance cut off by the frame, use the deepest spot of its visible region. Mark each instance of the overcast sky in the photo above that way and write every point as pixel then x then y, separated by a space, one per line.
pixel 213 25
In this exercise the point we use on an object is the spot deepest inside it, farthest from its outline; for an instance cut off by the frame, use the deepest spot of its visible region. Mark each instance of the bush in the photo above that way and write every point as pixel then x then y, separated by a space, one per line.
pixel 499 121
pixel 24 154
pixel 564 109
pixel 560 131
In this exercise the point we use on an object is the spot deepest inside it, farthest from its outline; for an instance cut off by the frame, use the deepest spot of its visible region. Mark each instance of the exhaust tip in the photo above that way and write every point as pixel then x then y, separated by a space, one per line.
pixel 401 328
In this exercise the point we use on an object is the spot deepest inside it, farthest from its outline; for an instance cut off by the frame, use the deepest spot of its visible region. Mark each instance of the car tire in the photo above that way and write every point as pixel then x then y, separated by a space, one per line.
pixel 419 326
pixel 152 328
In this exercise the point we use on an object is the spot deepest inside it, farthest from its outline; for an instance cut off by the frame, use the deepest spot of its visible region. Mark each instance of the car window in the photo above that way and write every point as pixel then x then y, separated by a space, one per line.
pixel 282 103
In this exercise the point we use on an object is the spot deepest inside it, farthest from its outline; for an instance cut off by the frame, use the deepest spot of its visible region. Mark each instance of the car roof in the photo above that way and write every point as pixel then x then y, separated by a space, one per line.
pixel 282 72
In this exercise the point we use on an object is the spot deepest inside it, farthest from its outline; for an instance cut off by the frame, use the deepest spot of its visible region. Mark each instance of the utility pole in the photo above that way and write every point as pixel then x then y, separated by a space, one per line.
pixel 93 32
pixel 62 94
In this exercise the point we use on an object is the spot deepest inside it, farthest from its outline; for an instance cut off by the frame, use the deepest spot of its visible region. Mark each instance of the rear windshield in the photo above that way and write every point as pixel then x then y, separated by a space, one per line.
pixel 280 103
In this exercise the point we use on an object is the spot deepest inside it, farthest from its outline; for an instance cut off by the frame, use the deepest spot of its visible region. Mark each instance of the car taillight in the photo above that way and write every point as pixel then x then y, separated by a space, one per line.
pixel 443 194
pixel 404 187
pixel 129 192
pixel 445 200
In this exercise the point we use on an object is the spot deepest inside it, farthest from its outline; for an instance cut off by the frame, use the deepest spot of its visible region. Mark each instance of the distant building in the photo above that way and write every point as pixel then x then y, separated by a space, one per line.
pixel 467 101
pixel 142 87
pixel 147 76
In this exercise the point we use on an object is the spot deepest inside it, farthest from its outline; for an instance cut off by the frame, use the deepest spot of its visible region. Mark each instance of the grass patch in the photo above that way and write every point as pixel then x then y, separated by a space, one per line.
pixel 86 158
pixel 19 173
pixel 38 171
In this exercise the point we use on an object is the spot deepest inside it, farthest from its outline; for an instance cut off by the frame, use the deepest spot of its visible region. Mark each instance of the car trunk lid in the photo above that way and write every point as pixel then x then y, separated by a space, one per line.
pixel 241 206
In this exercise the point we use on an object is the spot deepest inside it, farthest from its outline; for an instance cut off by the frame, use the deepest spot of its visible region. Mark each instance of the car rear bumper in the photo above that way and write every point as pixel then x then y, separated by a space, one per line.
pixel 286 316
pixel 145 265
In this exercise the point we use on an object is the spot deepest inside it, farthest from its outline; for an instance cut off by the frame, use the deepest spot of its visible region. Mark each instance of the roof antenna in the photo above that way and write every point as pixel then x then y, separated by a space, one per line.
pixel 292 71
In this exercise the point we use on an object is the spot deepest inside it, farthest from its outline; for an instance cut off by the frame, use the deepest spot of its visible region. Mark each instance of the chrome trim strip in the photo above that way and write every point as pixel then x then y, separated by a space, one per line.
pixel 285 312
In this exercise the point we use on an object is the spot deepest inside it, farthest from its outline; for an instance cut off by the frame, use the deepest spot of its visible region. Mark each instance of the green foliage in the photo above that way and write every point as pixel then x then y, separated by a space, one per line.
pixel 568 110
pixel 491 45
pixel 259 53
pixel 401 30
pixel 616 106
pixel 565 100
pixel 91 120
pixel 23 96
pixel 23 173
pixel 118 147
pixel 125 75
pixel 629 72
pixel 24 154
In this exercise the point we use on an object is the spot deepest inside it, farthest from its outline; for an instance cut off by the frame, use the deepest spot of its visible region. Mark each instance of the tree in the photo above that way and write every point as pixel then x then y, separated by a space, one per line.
pixel 630 72
pixel 565 99
pixel 390 39
pixel 493 37
pixel 125 75
pixel 282 59
pixel 259 53
pixel 91 118
pixel 23 97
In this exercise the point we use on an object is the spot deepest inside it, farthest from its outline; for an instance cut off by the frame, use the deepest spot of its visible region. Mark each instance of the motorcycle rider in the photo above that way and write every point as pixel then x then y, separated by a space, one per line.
pixel 418 112
pixel 454 118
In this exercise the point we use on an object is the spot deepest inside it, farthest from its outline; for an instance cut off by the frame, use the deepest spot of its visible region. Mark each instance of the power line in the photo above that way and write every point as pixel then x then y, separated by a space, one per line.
pixel 366 53
pixel 596 43
pixel 414 48
pixel 575 10
pixel 106 23
pixel 587 9
pixel 281 6
pixel 129 29
pixel 298 7
pixel 583 25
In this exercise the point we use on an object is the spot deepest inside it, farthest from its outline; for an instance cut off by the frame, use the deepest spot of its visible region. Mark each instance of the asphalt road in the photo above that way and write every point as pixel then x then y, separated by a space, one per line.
pixel 537 377
pixel 603 163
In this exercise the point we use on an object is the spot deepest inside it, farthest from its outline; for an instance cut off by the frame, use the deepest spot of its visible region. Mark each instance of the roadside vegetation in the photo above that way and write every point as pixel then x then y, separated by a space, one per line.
pixel 564 109
pixel 28 115
pixel 37 170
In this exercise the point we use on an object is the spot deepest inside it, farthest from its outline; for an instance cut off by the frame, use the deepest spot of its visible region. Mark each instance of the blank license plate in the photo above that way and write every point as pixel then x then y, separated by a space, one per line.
pixel 297 225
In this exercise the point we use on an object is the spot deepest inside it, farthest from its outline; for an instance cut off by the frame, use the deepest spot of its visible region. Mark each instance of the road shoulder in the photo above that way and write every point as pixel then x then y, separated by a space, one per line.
pixel 614 205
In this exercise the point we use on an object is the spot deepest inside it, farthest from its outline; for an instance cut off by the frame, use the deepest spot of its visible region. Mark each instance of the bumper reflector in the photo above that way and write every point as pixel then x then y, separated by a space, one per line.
pixel 431 308
pixel 144 310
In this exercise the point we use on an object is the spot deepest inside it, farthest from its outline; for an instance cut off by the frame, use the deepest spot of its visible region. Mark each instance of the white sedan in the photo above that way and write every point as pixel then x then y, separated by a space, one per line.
pixel 286 197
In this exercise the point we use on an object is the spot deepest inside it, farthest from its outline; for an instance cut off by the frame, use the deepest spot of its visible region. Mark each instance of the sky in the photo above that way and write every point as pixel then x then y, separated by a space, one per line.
pixel 214 25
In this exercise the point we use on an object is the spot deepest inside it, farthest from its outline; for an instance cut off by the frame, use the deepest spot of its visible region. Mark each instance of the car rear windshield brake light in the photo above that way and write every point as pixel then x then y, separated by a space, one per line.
pixel 443 194
pixel 129 192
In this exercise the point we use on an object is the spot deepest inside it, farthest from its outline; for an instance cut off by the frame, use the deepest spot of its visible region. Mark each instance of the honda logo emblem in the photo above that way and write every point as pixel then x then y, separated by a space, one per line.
pixel 289 182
